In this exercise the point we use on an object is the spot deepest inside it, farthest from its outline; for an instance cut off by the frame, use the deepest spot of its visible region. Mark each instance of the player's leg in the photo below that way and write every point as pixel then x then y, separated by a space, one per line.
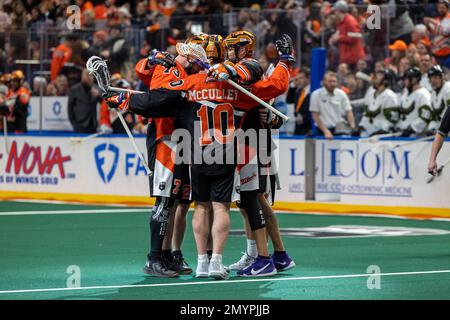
pixel 251 252
pixel 159 214
pixel 183 192
pixel 178 236
pixel 200 221
pixel 159 217
pixel 166 245
pixel 219 231
pixel 209 250
pixel 179 226
pixel 280 257
pixel 272 227
pixel 221 193
pixel 248 174
pixel 263 265
pixel 200 226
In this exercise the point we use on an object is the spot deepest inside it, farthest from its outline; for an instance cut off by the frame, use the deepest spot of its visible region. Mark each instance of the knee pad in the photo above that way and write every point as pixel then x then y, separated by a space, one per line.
pixel 249 202
pixel 162 209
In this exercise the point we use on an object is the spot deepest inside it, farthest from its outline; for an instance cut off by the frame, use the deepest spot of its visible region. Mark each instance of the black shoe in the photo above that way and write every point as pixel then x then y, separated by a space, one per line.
pixel 157 269
pixel 180 265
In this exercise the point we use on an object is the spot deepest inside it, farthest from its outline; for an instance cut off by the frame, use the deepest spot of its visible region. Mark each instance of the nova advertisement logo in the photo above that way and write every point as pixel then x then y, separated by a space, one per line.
pixel 106 169
pixel 30 164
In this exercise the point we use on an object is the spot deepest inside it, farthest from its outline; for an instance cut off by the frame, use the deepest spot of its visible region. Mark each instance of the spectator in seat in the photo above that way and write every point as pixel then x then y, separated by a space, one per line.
pixel 82 106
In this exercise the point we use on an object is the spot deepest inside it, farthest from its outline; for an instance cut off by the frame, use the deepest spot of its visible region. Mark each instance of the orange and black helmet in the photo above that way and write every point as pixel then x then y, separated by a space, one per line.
pixel 239 39
pixel 200 39
pixel 17 75
pixel 215 49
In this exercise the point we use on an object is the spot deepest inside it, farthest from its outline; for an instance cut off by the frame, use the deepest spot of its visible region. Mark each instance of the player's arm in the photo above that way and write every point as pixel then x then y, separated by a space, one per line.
pixel 145 68
pixel 159 103
pixel 273 86
pixel 439 138
pixel 278 82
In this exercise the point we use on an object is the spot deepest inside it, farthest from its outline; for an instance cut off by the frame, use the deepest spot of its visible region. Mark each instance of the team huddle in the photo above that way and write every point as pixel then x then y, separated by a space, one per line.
pixel 209 143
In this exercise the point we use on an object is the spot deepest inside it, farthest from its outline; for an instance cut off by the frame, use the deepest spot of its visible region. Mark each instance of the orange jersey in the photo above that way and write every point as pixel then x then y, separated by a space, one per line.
pixel 23 94
pixel 160 77
pixel 144 71
pixel 199 90
pixel 61 55
pixel 105 114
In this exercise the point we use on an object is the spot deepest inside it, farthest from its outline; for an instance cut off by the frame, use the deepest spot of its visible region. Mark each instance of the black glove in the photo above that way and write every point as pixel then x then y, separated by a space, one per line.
pixel 408 132
pixel 355 132
pixel 164 59
pixel 285 48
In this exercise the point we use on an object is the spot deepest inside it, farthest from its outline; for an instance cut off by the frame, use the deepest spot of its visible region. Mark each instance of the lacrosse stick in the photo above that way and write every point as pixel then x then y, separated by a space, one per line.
pixel 263 103
pixel 376 138
pixel 75 140
pixel 438 171
pixel 413 142
pixel 99 69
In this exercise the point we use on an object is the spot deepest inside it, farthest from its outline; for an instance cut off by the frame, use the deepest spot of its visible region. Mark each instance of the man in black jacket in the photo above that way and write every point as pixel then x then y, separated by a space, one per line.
pixel 82 107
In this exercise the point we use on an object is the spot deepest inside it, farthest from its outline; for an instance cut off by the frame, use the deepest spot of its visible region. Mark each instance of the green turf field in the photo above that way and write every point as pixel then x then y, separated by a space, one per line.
pixel 110 246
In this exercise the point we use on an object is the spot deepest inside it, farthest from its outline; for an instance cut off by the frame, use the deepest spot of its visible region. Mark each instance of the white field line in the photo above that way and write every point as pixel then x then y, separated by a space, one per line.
pixel 20 213
pixel 145 209
pixel 226 282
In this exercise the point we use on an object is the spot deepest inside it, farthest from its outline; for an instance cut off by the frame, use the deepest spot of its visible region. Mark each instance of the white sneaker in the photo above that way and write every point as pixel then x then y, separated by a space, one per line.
pixel 243 263
pixel 202 269
pixel 216 270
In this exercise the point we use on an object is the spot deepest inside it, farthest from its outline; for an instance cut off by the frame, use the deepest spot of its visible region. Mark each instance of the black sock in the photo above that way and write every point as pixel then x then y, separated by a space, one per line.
pixel 263 257
pixel 279 252
pixel 159 217
pixel 156 239
pixel 167 254
pixel 177 253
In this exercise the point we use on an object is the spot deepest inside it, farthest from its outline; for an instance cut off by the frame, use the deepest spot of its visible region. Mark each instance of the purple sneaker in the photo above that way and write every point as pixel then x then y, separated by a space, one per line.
pixel 282 261
pixel 262 267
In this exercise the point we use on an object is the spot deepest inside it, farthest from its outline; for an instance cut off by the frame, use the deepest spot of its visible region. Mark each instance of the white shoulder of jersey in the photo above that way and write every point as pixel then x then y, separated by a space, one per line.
pixel 391 96
pixel 422 97
pixel 446 88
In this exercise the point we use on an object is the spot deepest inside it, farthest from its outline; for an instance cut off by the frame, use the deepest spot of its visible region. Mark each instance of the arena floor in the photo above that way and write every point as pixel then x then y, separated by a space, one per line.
pixel 109 246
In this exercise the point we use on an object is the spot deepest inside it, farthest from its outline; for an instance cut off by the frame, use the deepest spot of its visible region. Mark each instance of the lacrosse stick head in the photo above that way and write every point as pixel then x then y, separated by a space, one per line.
pixel 193 52
pixel 99 69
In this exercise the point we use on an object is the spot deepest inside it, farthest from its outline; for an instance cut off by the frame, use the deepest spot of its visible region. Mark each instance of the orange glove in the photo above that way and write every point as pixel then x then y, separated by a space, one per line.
pixel 117 100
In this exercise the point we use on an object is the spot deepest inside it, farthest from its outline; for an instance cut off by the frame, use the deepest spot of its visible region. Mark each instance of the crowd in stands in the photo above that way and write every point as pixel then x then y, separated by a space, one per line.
pixel 410 34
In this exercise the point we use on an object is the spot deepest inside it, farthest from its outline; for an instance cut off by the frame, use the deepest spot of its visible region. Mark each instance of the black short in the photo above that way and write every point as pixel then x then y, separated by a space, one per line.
pixel 181 185
pixel 217 188
pixel 263 185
